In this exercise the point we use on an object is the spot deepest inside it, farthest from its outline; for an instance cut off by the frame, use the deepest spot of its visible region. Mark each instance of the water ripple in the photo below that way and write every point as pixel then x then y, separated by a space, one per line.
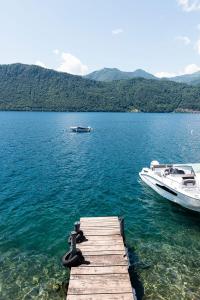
pixel 50 177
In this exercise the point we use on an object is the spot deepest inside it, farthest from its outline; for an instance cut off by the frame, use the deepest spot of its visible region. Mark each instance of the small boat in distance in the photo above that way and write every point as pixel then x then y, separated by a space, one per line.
pixel 80 129
pixel 179 183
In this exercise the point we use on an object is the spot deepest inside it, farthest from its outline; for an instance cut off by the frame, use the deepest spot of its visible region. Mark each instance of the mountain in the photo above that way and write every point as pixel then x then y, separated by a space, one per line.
pixel 193 79
pixel 110 74
pixel 29 87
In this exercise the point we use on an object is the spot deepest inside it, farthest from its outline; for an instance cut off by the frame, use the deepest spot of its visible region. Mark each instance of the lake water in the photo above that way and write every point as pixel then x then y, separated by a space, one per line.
pixel 50 177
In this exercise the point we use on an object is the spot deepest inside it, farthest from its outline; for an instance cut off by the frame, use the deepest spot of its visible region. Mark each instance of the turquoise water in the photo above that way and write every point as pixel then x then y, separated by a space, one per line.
pixel 50 177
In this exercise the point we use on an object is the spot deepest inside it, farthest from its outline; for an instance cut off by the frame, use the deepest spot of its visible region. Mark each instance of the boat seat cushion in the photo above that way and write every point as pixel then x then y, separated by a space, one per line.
pixel 189 182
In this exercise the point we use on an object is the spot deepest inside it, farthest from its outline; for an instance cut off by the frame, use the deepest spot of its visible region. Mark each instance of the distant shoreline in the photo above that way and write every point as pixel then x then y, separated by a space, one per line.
pixel 187 111
pixel 177 111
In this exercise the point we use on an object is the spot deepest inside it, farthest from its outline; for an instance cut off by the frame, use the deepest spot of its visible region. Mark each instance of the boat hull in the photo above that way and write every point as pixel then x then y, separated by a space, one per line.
pixel 171 194
pixel 77 129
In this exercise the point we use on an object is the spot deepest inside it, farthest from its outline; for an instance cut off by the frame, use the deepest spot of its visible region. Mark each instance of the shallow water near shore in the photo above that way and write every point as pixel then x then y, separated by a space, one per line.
pixel 50 177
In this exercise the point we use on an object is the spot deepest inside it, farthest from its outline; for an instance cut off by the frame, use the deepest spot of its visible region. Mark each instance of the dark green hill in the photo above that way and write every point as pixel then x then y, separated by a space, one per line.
pixel 28 87
pixel 110 74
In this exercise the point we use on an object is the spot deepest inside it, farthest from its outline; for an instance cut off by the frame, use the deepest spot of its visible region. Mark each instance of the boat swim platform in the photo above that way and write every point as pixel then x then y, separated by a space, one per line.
pixel 104 275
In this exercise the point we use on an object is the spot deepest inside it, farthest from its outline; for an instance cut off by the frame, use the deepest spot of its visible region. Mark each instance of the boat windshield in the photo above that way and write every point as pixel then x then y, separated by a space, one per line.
pixel 183 169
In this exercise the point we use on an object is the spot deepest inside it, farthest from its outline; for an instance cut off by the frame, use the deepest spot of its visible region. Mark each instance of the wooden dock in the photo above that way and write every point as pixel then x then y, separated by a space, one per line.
pixel 104 274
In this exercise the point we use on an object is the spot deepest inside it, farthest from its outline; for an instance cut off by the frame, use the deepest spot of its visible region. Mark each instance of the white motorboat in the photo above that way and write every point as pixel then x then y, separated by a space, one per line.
pixel 80 129
pixel 179 183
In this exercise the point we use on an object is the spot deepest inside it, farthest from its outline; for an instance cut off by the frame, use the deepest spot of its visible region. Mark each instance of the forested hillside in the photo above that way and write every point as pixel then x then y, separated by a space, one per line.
pixel 29 87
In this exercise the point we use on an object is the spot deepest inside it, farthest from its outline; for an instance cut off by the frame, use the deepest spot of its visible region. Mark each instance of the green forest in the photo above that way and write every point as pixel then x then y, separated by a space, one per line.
pixel 30 87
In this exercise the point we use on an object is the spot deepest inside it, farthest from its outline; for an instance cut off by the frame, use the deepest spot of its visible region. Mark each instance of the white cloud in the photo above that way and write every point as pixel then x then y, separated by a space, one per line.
pixel 40 63
pixel 192 68
pixel 71 64
pixel 164 74
pixel 184 39
pixel 117 31
pixel 56 51
pixel 189 69
pixel 189 5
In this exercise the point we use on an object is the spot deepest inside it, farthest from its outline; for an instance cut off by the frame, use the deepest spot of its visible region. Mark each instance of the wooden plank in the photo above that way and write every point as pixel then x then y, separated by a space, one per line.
pixel 93 225
pixel 102 232
pixel 115 219
pixel 103 277
pixel 94 248
pixel 104 252
pixel 117 283
pixel 101 229
pixel 84 287
pixel 108 238
pixel 105 248
pixel 119 296
pixel 99 219
pixel 102 242
pixel 93 228
pixel 107 222
pixel 87 270
pixel 104 224
pixel 98 226
pixel 105 260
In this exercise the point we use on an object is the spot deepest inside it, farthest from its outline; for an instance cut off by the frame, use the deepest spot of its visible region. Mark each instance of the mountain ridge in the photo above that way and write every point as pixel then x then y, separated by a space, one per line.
pixel 30 87
pixel 110 74
pixel 193 78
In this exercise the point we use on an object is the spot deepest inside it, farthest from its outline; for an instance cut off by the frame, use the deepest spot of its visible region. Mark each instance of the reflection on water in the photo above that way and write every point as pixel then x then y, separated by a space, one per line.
pixel 50 177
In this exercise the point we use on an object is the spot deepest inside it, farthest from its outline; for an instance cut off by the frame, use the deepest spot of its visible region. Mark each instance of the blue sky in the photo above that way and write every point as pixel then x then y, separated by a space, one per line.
pixel 80 36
